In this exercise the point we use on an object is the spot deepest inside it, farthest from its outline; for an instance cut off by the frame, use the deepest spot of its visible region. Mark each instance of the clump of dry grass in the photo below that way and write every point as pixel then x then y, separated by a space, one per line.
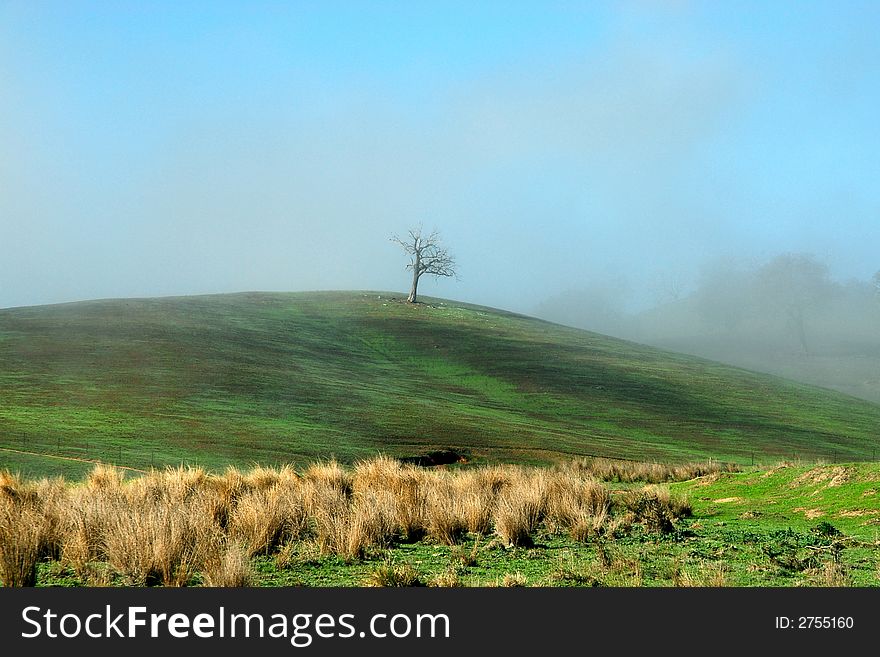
pixel 576 505
pixel 372 523
pixel 262 477
pixel 228 566
pixel 171 525
pixel 512 580
pixel 105 477
pixel 30 526
pixel 21 536
pixel 330 512
pixel 586 525
pixel 832 573
pixel 404 491
pixel 377 473
pixel 655 508
pixel 477 492
pixel 349 527
pixel 172 485
pixel 264 518
pixel 705 574
pixel 446 523
pixel 84 521
pixel 390 574
pixel 521 508
pixel 332 475
pixel 447 579
pixel 622 471
pixel 159 542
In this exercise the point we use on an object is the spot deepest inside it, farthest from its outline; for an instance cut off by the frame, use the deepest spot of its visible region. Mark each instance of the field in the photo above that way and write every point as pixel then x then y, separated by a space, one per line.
pixel 274 379
pixel 591 522
pixel 351 439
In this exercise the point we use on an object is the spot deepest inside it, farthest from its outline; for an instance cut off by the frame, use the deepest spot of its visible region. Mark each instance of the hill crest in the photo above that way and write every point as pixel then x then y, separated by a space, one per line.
pixel 281 377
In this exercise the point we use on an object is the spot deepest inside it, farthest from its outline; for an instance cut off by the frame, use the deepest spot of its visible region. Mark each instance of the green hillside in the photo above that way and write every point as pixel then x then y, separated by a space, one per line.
pixel 272 378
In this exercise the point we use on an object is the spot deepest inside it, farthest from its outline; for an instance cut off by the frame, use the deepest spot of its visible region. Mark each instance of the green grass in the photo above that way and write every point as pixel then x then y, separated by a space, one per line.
pixel 277 378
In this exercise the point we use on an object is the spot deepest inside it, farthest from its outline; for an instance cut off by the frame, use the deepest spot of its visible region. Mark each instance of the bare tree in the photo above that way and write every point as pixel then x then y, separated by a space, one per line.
pixel 427 256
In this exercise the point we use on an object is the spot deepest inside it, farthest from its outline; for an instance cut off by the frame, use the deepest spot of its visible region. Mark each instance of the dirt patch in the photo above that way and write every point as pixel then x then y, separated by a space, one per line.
pixel 810 513
pixel 870 492
pixel 830 476
pixel 728 500
pixel 439 457
pixel 858 513
pixel 772 471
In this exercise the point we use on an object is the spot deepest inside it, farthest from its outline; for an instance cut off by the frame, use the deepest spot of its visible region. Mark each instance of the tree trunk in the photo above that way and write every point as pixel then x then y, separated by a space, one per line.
pixel 802 334
pixel 796 317
pixel 415 282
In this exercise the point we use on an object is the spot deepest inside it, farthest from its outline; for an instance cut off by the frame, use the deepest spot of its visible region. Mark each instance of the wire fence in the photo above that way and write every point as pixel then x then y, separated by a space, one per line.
pixel 75 454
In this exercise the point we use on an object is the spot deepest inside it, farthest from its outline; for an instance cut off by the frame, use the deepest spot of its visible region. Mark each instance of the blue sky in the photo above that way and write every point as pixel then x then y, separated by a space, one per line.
pixel 151 148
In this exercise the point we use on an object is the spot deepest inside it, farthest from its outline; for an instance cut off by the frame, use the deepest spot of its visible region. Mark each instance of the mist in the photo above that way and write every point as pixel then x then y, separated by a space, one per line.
pixel 784 316
pixel 588 164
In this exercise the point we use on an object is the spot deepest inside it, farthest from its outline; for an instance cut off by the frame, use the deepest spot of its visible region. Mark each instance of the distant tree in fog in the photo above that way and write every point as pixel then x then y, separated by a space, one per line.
pixel 724 295
pixel 792 284
pixel 595 306
pixel 427 256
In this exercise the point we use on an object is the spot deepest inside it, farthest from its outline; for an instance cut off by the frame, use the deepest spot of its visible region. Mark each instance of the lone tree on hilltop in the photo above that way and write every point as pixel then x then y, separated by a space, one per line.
pixel 427 256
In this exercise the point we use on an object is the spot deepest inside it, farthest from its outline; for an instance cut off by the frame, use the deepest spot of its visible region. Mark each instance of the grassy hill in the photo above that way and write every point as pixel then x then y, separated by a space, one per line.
pixel 274 378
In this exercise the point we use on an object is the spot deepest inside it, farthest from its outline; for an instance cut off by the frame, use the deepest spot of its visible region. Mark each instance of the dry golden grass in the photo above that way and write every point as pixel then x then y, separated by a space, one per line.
pixel 152 542
pixel 105 477
pixel 347 526
pixel 832 574
pixel 403 491
pixel 616 470
pixel 84 522
pixel 523 506
pixel 21 537
pixel 30 526
pixel 511 580
pixel 389 574
pixel 447 579
pixel 265 517
pixel 446 522
pixel 330 474
pixel 171 526
pixel 228 566
pixel 705 574
pixel 575 504
pixel 654 507
pixel 477 492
